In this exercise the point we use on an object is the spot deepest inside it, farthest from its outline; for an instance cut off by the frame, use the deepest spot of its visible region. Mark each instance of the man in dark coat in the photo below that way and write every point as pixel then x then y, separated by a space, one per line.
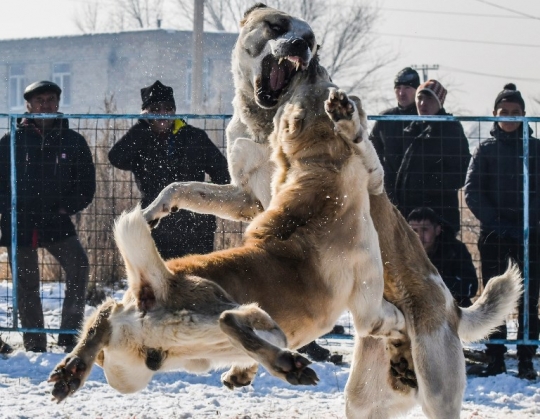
pixel 387 136
pixel 162 151
pixel 494 193
pixel 434 160
pixel 55 178
pixel 448 254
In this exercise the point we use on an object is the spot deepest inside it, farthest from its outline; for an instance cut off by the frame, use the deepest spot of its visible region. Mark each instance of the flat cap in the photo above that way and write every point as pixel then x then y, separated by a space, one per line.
pixel 41 87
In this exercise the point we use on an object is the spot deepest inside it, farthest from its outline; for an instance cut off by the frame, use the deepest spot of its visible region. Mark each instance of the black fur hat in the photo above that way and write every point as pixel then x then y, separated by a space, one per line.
pixel 510 94
pixel 157 92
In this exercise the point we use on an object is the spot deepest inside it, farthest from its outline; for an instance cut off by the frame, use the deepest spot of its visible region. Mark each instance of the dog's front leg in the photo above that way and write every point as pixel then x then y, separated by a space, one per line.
pixel 351 123
pixel 251 329
pixel 71 373
pixel 248 194
pixel 225 201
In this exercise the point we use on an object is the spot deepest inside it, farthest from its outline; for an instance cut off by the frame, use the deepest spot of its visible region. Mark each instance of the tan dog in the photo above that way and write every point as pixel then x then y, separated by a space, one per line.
pixel 312 254
pixel 274 54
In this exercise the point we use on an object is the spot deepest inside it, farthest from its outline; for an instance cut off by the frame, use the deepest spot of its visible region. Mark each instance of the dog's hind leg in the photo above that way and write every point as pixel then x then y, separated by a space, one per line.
pixel 441 385
pixel 369 394
pixel 70 374
pixel 251 329
pixel 239 376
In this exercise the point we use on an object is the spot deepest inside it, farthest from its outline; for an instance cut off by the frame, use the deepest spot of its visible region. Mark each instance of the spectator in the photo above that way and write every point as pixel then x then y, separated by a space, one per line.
pixel 387 136
pixel 434 161
pixel 448 255
pixel 55 179
pixel 162 151
pixel 494 193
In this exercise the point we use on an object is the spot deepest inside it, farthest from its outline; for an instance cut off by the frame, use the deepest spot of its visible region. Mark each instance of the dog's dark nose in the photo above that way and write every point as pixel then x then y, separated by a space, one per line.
pixel 298 47
pixel 294 47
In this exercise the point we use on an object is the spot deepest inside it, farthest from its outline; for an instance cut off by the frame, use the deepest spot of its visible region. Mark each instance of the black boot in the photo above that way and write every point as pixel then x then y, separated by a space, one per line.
pixel 495 367
pixel 526 369
pixel 315 351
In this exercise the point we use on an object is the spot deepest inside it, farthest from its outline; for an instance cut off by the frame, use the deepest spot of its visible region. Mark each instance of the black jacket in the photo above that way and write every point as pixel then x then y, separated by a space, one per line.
pixel 454 263
pixel 159 160
pixel 54 172
pixel 433 169
pixel 390 142
pixel 494 185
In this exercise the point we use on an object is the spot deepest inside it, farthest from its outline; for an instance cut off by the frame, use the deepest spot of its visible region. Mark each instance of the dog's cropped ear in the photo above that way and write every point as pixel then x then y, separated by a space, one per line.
pixel 248 11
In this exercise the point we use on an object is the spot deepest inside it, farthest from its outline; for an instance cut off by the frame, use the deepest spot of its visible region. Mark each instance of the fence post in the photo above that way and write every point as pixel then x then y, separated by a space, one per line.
pixel 13 182
pixel 526 230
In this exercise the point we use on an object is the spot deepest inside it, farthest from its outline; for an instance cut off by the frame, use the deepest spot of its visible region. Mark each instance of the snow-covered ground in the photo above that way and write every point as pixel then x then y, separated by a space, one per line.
pixel 25 393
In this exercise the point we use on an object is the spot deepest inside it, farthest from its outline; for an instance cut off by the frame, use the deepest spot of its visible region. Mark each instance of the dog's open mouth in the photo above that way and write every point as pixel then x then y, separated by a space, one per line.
pixel 277 74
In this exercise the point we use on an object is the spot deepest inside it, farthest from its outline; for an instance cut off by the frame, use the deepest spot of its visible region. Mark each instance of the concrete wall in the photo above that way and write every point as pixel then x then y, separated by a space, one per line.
pixel 119 64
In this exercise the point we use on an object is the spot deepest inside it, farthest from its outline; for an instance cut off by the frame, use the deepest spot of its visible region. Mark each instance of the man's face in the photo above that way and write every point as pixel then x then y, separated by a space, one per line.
pixel 161 108
pixel 404 95
pixel 508 109
pixel 427 231
pixel 46 102
pixel 426 104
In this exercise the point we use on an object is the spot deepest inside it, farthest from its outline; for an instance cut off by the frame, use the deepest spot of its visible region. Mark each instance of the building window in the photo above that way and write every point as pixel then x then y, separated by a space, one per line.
pixel 207 70
pixel 16 86
pixel 62 77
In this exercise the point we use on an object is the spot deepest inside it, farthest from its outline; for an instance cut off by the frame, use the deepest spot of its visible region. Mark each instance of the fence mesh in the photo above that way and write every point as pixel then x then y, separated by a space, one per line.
pixel 116 191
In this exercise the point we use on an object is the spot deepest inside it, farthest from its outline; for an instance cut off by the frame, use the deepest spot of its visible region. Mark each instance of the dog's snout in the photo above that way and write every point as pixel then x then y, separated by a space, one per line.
pixel 294 47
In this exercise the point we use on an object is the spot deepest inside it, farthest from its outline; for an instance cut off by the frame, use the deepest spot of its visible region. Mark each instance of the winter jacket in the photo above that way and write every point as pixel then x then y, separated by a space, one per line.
pixel 159 160
pixel 494 185
pixel 433 168
pixel 454 263
pixel 390 142
pixel 54 173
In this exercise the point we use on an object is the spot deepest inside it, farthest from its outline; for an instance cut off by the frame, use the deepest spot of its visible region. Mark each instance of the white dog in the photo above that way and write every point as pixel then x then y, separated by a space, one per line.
pixel 274 55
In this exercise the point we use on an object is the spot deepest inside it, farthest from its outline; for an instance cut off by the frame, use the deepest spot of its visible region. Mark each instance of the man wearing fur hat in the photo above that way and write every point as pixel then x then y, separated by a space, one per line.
pixel 162 151
pixel 387 136
pixel 434 161
pixel 494 193
pixel 55 179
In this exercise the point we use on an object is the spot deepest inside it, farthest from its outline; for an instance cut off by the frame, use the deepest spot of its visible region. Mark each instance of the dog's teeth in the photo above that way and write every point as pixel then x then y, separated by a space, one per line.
pixel 280 60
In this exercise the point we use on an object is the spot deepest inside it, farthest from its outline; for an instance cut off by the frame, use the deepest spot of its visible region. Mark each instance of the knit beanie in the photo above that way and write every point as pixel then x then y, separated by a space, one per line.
pixel 510 94
pixel 435 88
pixel 407 77
pixel 155 93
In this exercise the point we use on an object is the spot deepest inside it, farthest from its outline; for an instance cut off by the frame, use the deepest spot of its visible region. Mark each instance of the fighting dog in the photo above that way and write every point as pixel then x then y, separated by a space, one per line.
pixel 312 254
pixel 274 54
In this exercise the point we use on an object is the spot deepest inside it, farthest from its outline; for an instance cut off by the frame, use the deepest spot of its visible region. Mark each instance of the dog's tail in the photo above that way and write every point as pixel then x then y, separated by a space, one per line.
pixel 499 299
pixel 144 266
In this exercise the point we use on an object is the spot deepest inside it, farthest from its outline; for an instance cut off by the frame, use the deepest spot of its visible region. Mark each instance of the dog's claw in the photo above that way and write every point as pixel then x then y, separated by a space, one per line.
pixel 153 223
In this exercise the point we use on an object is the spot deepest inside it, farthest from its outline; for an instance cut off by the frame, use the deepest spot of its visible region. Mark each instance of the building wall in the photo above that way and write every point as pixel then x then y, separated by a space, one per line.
pixel 117 65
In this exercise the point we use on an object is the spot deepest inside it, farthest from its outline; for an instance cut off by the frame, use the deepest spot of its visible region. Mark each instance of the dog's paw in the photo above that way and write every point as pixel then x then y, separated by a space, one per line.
pixel 239 377
pixel 338 106
pixel 401 362
pixel 68 377
pixel 165 204
pixel 294 368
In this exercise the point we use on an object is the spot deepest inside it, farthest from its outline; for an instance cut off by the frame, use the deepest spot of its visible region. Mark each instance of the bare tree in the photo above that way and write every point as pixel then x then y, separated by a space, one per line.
pixel 118 15
pixel 86 19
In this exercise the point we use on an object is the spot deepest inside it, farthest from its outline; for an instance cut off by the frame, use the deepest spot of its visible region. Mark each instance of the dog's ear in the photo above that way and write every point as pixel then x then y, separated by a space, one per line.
pixel 248 11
